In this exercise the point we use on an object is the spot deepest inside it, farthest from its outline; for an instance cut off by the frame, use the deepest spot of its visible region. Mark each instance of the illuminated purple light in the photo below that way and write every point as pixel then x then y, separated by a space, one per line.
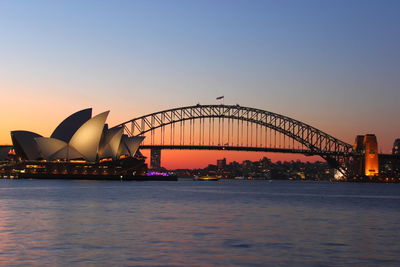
pixel 157 173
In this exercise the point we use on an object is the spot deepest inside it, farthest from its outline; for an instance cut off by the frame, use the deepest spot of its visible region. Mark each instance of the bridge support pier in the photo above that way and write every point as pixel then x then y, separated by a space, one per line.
pixel 155 159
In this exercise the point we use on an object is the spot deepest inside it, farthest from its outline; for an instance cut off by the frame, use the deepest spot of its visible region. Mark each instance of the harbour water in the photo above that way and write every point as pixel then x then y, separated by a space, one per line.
pixel 193 223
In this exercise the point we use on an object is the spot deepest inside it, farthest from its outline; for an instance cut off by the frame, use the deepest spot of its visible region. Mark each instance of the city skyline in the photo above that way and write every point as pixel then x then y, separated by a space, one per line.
pixel 332 65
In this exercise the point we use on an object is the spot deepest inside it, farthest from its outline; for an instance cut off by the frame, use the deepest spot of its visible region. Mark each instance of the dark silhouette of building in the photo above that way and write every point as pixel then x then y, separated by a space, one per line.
pixel 359 160
pixel 155 159
pixel 221 164
pixel 396 147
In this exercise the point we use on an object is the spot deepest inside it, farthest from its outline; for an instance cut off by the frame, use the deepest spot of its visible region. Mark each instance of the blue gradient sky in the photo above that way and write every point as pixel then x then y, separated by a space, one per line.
pixel 331 64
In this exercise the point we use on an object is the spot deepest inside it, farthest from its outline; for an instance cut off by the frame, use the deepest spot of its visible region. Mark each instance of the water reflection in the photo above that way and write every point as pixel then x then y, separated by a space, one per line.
pixel 62 223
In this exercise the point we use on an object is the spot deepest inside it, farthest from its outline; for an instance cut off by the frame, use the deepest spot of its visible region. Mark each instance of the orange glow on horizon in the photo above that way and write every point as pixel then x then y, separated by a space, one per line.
pixel 198 159
pixel 41 113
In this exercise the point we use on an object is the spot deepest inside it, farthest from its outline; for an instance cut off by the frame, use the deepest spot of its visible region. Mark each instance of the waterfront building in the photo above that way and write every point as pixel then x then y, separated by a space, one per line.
pixel 81 147
pixel 4 152
pixel 79 137
pixel 396 147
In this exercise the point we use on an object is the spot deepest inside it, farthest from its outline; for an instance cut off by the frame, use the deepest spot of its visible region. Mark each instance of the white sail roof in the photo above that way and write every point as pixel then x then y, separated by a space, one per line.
pixel 77 137
pixel 25 144
pixel 122 149
pixel 133 144
pixel 49 146
pixel 87 138
pixel 129 145
pixel 67 152
pixel 67 128
pixel 110 143
pixel 51 149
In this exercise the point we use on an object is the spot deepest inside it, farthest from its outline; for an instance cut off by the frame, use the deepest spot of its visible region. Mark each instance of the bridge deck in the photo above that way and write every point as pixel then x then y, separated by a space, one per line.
pixel 241 148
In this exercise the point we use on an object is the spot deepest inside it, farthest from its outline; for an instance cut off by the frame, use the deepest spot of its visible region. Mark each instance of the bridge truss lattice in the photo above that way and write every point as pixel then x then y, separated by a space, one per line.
pixel 234 127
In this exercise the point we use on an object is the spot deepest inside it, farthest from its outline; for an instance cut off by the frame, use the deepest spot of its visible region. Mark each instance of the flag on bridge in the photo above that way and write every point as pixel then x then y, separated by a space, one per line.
pixel 220 97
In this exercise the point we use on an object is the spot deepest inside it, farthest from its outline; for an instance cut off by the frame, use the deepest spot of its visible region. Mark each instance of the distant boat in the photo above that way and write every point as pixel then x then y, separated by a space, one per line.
pixel 206 178
pixel 256 178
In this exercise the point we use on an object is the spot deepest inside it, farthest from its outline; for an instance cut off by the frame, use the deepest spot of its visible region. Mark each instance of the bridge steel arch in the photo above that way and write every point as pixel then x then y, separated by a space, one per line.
pixel 336 152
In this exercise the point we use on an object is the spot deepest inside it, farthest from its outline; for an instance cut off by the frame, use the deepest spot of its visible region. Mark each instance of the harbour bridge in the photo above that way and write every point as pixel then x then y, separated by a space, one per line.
pixel 237 128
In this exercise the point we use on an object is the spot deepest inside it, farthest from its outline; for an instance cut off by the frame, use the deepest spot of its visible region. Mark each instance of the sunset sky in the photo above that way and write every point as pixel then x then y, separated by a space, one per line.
pixel 332 64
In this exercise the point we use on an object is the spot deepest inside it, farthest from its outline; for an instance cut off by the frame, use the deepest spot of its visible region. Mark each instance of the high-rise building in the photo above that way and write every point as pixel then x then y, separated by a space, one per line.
pixel 221 164
pixel 155 159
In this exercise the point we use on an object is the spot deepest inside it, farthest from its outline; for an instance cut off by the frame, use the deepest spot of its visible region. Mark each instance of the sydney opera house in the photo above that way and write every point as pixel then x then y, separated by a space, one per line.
pixel 80 146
